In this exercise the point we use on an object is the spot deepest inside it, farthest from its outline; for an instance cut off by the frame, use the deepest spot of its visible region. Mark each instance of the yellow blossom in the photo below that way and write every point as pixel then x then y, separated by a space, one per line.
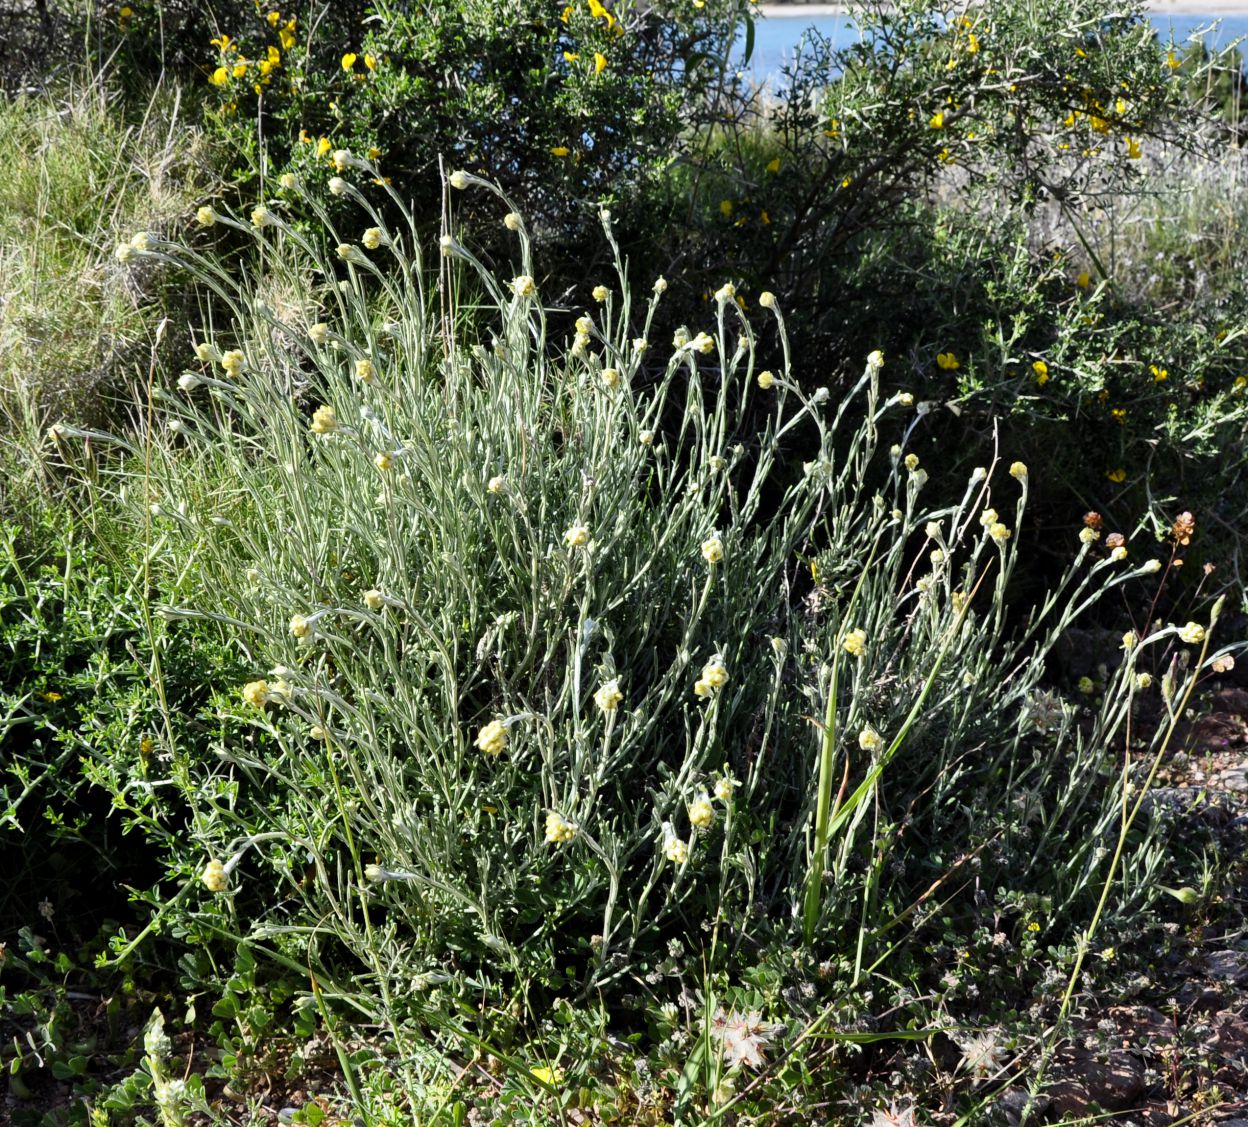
pixel 492 739
pixel 611 377
pixel 713 550
pixel 364 370
pixel 947 362
pixel 300 627
pixel 1118 554
pixel 577 536
pixel 767 299
pixel 701 812
pixel 205 216
pixel 855 643
pixel 323 146
pixel 256 693
pixel 608 696
pixel 220 76
pixel 560 151
pixel 372 238
pixel 214 876
pixel 999 532
pixel 766 380
pixel 1193 633
pixel 675 850
pixel 869 739
pixel 1129 640
pixel 1041 370
pixel 773 165
pixel 1084 280
pixel 724 788
pixel 324 420
pixel 558 832
pixel 232 362
pixel 1088 536
pixel 1018 470
pixel 937 120
pixel 912 462
pixel 524 286
pixel 383 461
pixel 600 293
pixel 600 62
pixel 348 61
pixel 1160 375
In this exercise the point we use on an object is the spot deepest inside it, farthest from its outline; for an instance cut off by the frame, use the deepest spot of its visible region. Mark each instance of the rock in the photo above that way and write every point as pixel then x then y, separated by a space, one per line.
pixel 1229 966
pixel 1143 1026
pixel 1114 1084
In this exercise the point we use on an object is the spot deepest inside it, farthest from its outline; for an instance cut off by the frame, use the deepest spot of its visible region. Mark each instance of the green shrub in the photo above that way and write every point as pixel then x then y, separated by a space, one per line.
pixel 534 652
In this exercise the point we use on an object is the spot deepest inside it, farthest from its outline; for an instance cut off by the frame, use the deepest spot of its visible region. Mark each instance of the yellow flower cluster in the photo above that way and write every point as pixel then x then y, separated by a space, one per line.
pixel 558 830
pixel 855 643
pixel 492 739
pixel 608 696
pixel 714 676
pixel 214 876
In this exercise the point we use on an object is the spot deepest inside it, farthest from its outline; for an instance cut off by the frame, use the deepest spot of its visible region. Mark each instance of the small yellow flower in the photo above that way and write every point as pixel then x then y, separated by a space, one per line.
pixel 492 739
pixel 256 693
pixel 374 599
pixel 937 120
pixel 600 62
pixel 767 299
pixel 319 333
pixel 610 378
pixel 869 739
pixel 600 294
pixel 640 344
pixel 855 643
pixel 342 160
pixel 704 343
pixel 1088 535
pixel 324 420
pixel 999 532
pixel 947 361
pixel 1018 470
pixel 205 216
pixel 558 832
pixel 1134 152
pixel 724 787
pixel 383 461
pixel 1041 369
pixel 713 550
pixel 524 286
pixel 875 360
pixel 905 399
pixel 701 812
pixel 220 76
pixel 560 151
pixel 726 292
pixel 214 876
pixel 323 146
pixel 912 462
pixel 348 61
pixel 1086 686
pixel 496 484
pixel 1192 634
pixel 577 536
pixel 232 362
pixel 608 696
pixel 674 849
pixel 715 673
pixel 1129 639
pixel 1084 280
pixel 337 186
pixel 766 380
pixel 300 627
pixel 372 238
pixel 773 165
pixel 1160 375
pixel 725 208
pixel 1118 554
pixel 512 221
pixel 371 62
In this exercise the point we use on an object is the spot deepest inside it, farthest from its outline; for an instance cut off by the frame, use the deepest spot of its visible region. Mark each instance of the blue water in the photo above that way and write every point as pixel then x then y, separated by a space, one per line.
pixel 776 37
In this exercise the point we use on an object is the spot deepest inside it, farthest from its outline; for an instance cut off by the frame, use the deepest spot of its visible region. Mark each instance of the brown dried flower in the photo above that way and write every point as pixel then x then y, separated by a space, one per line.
pixel 1183 528
pixel 1093 520
pixel 1115 540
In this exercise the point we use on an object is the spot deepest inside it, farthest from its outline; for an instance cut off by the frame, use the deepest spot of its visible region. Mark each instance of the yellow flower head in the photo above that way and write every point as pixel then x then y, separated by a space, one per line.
pixel 704 343
pixel 348 61
pixel 674 849
pixel 713 550
pixel 364 370
pixel 342 160
pixel 610 378
pixel 600 62
pixel 608 696
pixel 372 238
pixel 1019 471
pixel 559 151
pixel 999 532
pixel 577 536
pixel 524 286
pixel 767 299
pixel 205 216
pixel 855 643
pixel 947 362
pixel 766 380
pixel 869 739
pixel 558 832
pixel 492 739
pixel 912 462
pixel 383 461
pixel 214 876
pixel 324 420
pixel 601 293
pixel 323 146
pixel 1084 280
pixel 256 693
pixel 715 673
pixel 701 812
pixel 232 362
pixel 724 787
pixel 937 120
pixel 300 627
pixel 1193 633
pixel 1088 536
